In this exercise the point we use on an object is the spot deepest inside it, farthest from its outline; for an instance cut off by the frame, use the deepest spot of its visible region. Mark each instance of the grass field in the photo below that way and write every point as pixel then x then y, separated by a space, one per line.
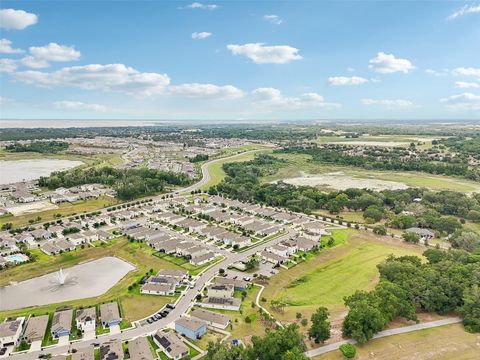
pixel 298 163
pixel 336 272
pixel 64 209
pixel 215 168
pixel 135 306
pixel 442 343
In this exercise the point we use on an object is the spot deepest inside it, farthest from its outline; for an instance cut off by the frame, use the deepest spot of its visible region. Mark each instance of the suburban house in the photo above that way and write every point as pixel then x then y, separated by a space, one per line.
pixel 220 290
pixel 112 350
pixel 41 234
pixel 139 349
pixel 211 318
pixel 54 247
pixel 273 258
pixel 178 275
pixel 85 319
pixel 109 314
pixel 171 344
pixel 424 234
pixel 221 303
pixel 238 284
pixel 202 259
pixel 10 331
pixel 191 327
pixel 36 327
pixel 77 239
pixel 62 323
pixel 304 244
pixel 156 288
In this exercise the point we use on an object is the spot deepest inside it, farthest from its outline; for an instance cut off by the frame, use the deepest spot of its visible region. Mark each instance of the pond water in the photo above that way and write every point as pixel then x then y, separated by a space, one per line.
pixel 85 280
pixel 24 170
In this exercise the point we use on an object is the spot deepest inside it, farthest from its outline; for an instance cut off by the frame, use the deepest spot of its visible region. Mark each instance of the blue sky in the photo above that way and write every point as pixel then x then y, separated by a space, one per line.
pixel 240 60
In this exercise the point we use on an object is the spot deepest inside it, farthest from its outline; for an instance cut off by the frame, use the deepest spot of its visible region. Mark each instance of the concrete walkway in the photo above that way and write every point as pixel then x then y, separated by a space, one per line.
pixel 390 332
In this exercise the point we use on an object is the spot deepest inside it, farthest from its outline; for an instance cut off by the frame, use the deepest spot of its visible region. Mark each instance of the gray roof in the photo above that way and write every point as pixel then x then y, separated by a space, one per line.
pixel 36 328
pixel 87 353
pixel 62 320
pixel 190 323
pixel 109 312
pixel 139 349
pixel 210 317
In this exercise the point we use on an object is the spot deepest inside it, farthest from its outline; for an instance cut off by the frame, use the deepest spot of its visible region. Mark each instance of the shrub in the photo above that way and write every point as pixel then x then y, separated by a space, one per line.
pixel 348 350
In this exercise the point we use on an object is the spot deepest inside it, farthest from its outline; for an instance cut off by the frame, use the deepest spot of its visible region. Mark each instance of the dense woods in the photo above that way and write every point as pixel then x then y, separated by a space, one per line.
pixel 44 147
pixel 447 282
pixel 128 183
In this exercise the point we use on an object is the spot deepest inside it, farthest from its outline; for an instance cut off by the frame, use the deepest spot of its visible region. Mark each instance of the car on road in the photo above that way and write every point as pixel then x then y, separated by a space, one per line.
pixel 246 278
pixel 3 351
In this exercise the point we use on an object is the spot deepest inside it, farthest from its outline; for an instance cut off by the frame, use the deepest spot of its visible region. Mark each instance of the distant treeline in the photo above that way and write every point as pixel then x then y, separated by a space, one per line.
pixel 44 147
pixel 386 159
pixel 128 183
pixel 198 158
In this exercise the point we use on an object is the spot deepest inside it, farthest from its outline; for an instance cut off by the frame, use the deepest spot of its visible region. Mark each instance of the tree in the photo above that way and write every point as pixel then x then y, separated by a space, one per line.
pixel 348 350
pixel 380 230
pixel 373 212
pixel 468 241
pixel 471 309
pixel 221 351
pixel 411 237
pixel 320 328
pixel 295 354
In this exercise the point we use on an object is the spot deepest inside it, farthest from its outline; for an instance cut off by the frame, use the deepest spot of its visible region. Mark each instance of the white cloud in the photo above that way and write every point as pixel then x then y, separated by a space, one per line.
pixel 274 19
pixel 350 69
pixel 466 84
pixel 345 80
pixel 55 52
pixel 273 98
pixel 197 5
pixel 33 62
pixel 467 9
pixel 261 54
pixel 6 47
pixel 201 35
pixel 470 71
pixel 7 65
pixel 195 90
pixel 16 19
pixel 78 105
pixel 124 79
pixel 432 72
pixel 390 104
pixel 388 64
pixel 462 102
pixel 110 77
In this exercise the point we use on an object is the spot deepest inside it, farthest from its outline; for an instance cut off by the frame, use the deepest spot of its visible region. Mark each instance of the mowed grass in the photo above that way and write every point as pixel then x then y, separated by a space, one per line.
pixel 134 305
pixel 64 209
pixel 298 163
pixel 441 343
pixel 327 278
pixel 216 171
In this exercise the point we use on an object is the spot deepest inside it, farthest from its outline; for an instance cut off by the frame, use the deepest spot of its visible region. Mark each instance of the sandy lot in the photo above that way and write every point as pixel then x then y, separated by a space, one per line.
pixel 34 207
pixel 340 181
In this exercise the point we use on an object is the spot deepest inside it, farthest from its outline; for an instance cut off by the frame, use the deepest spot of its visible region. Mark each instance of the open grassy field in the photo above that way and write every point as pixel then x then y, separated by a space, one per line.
pixel 382 140
pixel 215 168
pixel 334 273
pixel 135 306
pixel 298 163
pixel 441 343
pixel 64 209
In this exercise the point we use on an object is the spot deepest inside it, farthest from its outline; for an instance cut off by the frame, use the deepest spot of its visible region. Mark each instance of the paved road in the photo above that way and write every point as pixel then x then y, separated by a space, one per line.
pixel 183 304
pixel 402 330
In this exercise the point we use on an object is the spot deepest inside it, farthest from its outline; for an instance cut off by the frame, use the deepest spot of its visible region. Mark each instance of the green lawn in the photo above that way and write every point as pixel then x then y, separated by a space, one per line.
pixel 215 168
pixel 325 279
pixel 133 304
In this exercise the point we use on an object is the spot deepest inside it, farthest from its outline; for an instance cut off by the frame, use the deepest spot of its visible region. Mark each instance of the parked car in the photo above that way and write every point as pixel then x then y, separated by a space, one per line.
pixel 149 320
pixel 3 351
pixel 171 306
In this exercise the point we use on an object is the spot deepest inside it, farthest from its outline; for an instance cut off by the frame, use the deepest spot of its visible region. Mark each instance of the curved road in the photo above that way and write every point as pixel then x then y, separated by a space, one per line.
pixel 184 302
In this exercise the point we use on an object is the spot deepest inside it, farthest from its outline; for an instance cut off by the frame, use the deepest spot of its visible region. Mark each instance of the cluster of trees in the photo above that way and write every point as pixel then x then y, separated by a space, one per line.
pixel 447 282
pixel 392 159
pixel 198 158
pixel 281 344
pixel 441 211
pixel 463 145
pixel 128 183
pixel 44 147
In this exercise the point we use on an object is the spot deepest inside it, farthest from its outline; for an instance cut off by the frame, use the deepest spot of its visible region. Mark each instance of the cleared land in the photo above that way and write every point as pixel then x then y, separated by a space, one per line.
pixel 324 280
pixel 300 163
pixel 442 343
pixel 64 209
pixel 134 305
